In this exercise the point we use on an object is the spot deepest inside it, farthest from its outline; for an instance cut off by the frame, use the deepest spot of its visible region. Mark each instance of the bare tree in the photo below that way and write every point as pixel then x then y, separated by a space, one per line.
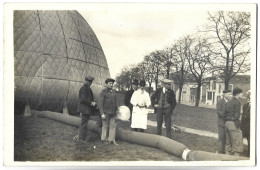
pixel 180 51
pixel 147 71
pixel 229 32
pixel 198 60
pixel 156 66
pixel 167 56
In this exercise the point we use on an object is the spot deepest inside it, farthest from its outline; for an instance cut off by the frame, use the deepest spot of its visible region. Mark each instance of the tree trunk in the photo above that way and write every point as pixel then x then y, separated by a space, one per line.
pixel 180 91
pixel 168 73
pixel 150 84
pixel 226 84
pixel 198 95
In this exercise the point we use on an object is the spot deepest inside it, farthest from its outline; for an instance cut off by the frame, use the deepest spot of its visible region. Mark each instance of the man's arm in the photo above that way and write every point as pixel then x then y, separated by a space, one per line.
pixel 220 108
pixel 173 100
pixel 153 97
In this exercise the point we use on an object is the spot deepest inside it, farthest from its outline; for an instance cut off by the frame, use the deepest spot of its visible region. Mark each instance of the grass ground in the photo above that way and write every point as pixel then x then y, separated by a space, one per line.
pixel 41 139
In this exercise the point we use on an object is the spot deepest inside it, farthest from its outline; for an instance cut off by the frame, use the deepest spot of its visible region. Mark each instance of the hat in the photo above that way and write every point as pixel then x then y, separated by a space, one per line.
pixel 167 81
pixel 142 83
pixel 226 91
pixel 135 82
pixel 109 80
pixel 237 91
pixel 89 78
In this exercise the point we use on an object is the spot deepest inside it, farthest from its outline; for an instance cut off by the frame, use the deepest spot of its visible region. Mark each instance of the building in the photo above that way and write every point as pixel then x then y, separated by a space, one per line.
pixel 211 89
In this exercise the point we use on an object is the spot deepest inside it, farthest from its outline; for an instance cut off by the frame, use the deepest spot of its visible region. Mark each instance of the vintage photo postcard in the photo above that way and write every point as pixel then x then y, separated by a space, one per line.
pixel 129 84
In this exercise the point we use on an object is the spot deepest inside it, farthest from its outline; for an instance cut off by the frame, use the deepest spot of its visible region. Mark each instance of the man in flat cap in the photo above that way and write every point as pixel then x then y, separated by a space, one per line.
pixel 108 107
pixel 221 106
pixel 85 108
pixel 234 138
pixel 128 95
pixel 163 100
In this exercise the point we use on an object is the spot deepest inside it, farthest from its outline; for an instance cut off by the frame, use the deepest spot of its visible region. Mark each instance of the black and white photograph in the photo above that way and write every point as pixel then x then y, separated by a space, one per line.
pixel 129 84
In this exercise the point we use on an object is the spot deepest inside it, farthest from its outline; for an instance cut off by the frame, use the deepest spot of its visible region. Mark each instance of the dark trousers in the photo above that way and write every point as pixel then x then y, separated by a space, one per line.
pixel 167 113
pixel 83 129
pixel 221 139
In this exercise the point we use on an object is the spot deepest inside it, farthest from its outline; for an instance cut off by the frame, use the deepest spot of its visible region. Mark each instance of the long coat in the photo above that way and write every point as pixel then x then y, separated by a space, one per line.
pixel 85 99
pixel 127 99
pixel 221 106
pixel 245 121
pixel 170 97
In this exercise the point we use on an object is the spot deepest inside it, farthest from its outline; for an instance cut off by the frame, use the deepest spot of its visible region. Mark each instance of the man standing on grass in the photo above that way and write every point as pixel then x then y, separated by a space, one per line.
pixel 221 106
pixel 234 138
pixel 164 101
pixel 128 96
pixel 86 107
pixel 108 107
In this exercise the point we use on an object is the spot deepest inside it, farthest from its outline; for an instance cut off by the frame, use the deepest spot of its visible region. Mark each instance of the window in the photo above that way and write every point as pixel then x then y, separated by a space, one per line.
pixel 219 89
pixel 209 95
pixel 214 85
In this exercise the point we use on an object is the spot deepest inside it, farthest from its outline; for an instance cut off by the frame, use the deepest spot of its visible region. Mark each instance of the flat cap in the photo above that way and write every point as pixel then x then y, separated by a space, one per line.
pixel 109 80
pixel 89 78
pixel 167 81
pixel 226 91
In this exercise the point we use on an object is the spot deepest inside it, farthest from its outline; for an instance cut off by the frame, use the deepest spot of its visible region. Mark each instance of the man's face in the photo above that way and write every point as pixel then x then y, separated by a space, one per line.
pixel 228 95
pixel 110 85
pixel 167 86
pixel 240 95
pixel 134 86
pixel 88 82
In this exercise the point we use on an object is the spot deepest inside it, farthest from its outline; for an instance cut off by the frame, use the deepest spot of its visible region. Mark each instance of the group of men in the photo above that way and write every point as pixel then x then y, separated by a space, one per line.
pixel 230 121
pixel 138 101
pixel 232 127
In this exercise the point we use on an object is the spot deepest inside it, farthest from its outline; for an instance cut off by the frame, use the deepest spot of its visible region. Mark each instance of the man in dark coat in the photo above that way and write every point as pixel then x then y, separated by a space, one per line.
pixel 234 138
pixel 86 107
pixel 245 121
pixel 164 101
pixel 128 96
pixel 221 106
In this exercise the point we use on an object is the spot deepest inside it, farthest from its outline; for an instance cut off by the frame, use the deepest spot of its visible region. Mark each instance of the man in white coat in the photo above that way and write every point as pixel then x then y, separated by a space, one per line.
pixel 140 101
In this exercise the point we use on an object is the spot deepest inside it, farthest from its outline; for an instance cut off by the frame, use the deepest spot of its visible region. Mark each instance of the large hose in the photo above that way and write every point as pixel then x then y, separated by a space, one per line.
pixel 171 146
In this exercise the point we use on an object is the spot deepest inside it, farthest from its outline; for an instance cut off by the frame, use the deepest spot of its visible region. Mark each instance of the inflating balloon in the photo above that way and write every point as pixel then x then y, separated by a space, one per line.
pixel 123 113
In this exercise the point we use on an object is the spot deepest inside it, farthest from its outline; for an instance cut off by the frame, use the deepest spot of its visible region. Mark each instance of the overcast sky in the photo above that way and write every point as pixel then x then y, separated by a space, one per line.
pixel 127 32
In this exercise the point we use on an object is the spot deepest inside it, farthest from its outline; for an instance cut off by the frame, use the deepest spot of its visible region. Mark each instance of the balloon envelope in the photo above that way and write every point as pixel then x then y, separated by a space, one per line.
pixel 123 113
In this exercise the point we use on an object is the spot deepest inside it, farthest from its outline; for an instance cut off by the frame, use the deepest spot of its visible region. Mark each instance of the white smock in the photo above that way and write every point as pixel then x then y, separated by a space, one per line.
pixel 139 114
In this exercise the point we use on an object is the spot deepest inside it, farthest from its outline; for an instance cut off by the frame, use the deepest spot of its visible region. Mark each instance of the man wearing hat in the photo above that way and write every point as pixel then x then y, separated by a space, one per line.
pixel 164 101
pixel 128 96
pixel 108 107
pixel 234 138
pixel 86 107
pixel 221 106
